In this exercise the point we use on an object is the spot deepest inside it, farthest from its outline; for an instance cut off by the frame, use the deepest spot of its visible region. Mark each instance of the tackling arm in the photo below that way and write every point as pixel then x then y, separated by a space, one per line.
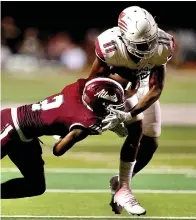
pixel 68 141
pixel 156 88
pixel 99 68
pixel 153 95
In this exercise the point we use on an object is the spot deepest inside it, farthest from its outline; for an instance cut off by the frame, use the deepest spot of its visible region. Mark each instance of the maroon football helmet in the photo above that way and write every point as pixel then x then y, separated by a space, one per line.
pixel 100 94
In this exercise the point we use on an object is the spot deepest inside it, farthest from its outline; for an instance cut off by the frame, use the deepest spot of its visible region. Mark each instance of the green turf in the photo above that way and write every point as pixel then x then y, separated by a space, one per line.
pixel 100 181
pixel 177 151
pixel 178 88
pixel 95 160
pixel 177 148
pixel 33 89
pixel 97 204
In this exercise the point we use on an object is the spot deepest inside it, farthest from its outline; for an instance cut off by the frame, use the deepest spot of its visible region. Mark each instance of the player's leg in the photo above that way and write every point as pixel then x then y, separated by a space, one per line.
pixel 148 143
pixel 7 130
pixel 151 132
pixel 122 193
pixel 28 158
pixel 5 141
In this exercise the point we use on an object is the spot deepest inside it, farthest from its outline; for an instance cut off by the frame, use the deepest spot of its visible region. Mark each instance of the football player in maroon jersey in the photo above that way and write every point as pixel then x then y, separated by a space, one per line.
pixel 73 114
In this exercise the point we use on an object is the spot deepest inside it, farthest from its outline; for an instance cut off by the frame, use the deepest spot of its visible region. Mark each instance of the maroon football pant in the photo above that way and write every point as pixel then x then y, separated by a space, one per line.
pixel 27 156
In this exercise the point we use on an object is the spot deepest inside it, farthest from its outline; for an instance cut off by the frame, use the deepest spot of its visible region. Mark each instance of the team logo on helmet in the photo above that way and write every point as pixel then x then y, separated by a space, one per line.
pixel 104 95
pixel 101 93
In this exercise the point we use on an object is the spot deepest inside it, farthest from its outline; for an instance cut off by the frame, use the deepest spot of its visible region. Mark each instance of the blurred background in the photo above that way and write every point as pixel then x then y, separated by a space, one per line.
pixel 47 45
pixel 44 34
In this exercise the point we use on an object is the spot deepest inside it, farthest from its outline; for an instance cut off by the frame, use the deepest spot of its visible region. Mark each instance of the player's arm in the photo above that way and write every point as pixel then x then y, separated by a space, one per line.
pixel 157 80
pixel 99 67
pixel 156 88
pixel 153 95
pixel 69 140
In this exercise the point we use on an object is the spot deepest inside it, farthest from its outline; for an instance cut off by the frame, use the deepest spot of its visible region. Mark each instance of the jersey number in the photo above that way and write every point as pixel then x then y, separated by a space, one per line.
pixel 57 101
pixel 110 46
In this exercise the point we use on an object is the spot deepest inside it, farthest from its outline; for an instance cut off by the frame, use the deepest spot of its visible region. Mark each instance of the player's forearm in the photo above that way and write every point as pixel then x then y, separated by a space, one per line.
pixel 64 145
pixel 154 93
pixel 68 142
pixel 98 68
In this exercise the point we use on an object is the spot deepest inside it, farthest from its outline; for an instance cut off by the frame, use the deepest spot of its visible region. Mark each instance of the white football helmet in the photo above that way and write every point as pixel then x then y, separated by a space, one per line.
pixel 139 31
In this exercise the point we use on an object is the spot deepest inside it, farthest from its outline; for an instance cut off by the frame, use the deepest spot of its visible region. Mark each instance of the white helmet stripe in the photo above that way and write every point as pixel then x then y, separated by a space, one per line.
pixel 107 80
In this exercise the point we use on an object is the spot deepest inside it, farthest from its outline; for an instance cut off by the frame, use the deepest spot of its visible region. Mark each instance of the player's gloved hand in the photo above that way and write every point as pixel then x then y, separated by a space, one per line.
pixel 115 118
pixel 120 130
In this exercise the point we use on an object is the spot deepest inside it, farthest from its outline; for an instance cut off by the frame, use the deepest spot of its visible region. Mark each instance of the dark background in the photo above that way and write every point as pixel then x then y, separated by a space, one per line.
pixel 49 28
pixel 77 16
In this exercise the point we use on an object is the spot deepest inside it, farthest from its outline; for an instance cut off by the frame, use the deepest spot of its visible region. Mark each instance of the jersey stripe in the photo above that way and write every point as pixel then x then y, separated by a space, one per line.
pixel 76 124
pixel 98 50
pixel 5 132
pixel 17 127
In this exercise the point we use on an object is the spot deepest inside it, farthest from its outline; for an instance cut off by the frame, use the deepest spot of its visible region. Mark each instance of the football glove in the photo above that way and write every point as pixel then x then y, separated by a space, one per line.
pixel 120 130
pixel 115 118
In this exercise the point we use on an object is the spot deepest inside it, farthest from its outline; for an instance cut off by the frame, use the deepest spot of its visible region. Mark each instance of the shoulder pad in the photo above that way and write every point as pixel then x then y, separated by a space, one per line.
pixel 106 42
pixel 110 48
pixel 165 48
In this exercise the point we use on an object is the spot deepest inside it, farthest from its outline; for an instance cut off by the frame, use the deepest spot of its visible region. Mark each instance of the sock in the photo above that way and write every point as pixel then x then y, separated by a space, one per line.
pixel 125 172
pixel 128 153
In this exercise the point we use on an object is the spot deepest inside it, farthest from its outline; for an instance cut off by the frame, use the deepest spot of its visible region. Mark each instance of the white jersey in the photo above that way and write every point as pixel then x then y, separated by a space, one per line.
pixel 111 49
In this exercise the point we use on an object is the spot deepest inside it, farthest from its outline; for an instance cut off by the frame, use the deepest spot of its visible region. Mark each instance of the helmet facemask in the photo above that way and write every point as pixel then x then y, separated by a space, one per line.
pixel 104 108
pixel 144 49
pixel 110 108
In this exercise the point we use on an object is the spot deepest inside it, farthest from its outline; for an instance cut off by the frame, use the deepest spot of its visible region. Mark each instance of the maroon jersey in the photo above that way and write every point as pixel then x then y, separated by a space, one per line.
pixel 58 114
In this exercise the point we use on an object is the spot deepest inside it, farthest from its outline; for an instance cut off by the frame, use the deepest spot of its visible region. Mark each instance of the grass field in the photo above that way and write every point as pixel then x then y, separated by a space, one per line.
pixel 178 87
pixel 77 182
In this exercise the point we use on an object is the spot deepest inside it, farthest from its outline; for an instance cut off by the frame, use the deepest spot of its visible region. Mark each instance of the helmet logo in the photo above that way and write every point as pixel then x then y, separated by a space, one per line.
pixel 104 95
pixel 121 23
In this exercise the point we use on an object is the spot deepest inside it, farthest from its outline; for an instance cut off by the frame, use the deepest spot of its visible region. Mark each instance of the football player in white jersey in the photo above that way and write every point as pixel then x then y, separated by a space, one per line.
pixel 135 54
